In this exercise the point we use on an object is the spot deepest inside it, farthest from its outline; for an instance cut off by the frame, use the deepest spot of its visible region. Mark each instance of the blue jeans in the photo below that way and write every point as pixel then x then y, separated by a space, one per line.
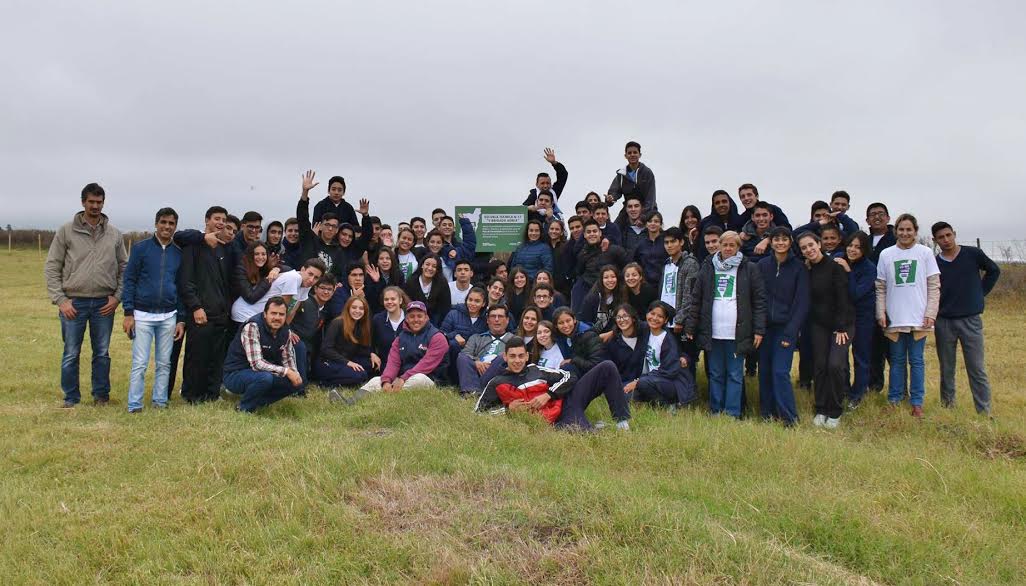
pixel 907 351
pixel 776 395
pixel 161 335
pixel 258 388
pixel 73 332
pixel 726 374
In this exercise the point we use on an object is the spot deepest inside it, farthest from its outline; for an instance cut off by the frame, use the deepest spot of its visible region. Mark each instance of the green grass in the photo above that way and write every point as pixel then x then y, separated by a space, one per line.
pixel 416 487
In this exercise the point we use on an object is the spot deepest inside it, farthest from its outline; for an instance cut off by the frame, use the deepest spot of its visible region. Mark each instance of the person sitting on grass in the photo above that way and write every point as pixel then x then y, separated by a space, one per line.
pixel 554 394
pixel 580 345
pixel 385 325
pixel 261 363
pixel 545 352
pixel 480 359
pixel 528 326
pixel 418 354
pixel 664 380
pixel 546 299
pixel 429 286
pixel 346 354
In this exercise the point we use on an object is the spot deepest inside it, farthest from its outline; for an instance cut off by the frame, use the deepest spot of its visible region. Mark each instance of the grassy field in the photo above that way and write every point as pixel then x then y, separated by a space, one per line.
pixel 417 488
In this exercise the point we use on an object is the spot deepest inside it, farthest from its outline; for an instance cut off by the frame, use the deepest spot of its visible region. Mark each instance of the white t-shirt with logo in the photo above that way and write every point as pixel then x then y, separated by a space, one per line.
pixel 905 270
pixel 654 352
pixel 724 307
pixel 408 264
pixel 669 288
pixel 551 358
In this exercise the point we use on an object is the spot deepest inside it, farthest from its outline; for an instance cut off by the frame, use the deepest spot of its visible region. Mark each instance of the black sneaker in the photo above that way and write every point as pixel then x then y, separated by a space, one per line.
pixel 101 401
pixel 68 404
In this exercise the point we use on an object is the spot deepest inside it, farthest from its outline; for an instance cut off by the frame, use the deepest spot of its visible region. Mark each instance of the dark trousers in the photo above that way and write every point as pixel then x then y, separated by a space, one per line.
pixel 204 359
pixel 603 379
pixel 176 354
pixel 879 353
pixel 662 391
pixel 861 351
pixel 805 360
pixel 257 388
pixel 776 395
pixel 470 380
pixel 830 364
pixel 577 294
pixel 340 374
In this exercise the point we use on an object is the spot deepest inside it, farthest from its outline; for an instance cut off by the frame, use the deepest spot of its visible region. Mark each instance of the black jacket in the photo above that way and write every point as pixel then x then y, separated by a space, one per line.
pixel 830 306
pixel 751 306
pixel 584 349
pixel 336 347
pixel 591 259
pixel 887 241
pixel 241 287
pixel 204 282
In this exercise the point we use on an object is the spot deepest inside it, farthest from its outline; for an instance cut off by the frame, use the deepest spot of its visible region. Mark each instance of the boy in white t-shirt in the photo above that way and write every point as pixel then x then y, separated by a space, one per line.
pixel 460 288
pixel 295 285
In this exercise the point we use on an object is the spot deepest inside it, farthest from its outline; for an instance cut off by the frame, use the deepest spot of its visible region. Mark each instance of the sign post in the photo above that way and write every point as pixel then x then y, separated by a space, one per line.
pixel 498 228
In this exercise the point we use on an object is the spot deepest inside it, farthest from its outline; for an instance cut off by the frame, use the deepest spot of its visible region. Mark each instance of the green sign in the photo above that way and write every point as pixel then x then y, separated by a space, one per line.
pixel 498 228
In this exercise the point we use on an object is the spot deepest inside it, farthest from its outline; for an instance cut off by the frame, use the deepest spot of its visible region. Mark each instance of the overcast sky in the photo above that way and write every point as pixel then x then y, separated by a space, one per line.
pixel 917 104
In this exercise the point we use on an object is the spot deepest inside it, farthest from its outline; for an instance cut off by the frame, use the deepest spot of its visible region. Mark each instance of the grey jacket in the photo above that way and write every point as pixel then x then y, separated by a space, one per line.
pixel 85 262
pixel 687 272
pixel 478 343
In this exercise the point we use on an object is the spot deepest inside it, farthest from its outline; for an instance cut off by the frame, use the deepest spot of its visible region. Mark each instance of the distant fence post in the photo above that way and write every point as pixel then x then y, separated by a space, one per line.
pixel 977 243
pixel 40 239
pixel 9 233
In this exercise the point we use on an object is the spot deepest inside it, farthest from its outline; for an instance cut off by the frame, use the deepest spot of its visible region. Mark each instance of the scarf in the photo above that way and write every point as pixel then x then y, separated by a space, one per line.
pixel 726 265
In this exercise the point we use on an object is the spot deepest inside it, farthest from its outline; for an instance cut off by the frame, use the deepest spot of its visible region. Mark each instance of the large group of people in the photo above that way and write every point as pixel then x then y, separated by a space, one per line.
pixel 589 304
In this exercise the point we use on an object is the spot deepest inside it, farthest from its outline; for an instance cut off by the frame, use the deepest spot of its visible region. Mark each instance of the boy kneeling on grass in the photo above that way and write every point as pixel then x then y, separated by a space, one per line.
pixel 557 395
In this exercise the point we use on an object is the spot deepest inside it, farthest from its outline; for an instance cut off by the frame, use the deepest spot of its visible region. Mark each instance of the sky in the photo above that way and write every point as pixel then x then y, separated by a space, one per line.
pixel 423 104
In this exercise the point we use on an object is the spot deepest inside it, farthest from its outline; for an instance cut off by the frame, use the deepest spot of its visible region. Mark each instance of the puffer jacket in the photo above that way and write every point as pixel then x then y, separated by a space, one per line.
pixel 533 257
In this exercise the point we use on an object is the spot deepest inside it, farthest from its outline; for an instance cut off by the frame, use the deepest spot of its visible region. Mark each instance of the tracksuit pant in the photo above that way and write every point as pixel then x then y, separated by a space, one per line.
pixel 603 379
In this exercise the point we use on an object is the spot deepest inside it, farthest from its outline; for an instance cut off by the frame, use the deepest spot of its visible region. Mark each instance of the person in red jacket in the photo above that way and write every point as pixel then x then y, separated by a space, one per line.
pixel 557 395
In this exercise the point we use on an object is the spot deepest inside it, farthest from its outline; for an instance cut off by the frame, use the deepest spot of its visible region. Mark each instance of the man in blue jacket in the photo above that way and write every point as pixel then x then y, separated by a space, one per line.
pixel 152 316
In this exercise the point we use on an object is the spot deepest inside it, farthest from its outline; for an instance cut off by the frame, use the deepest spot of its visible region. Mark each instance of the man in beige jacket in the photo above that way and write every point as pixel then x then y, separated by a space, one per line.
pixel 83 278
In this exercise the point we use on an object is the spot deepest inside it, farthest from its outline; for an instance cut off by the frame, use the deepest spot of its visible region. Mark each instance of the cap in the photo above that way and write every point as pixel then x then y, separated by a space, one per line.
pixel 416 306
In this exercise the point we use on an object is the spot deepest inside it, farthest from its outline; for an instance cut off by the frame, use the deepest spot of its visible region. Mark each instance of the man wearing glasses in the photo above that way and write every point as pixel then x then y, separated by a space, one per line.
pixel 544 296
pixel 882 234
pixel 481 357
pixel 250 232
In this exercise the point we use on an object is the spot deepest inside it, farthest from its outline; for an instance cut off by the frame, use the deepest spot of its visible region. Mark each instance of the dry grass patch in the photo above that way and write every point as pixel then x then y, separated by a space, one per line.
pixel 473 526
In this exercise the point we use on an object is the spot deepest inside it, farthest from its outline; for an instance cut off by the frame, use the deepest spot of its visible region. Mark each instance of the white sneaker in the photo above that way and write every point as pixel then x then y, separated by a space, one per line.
pixel 832 422
pixel 819 420
pixel 623 425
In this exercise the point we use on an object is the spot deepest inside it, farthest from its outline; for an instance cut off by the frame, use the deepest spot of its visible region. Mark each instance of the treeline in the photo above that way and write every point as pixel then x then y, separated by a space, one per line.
pixel 32 239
